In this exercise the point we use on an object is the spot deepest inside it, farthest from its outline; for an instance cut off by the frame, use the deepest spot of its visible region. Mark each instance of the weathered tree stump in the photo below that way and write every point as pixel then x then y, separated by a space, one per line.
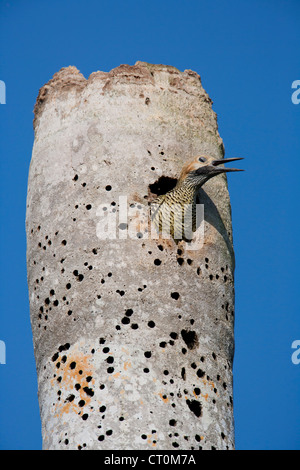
pixel 133 337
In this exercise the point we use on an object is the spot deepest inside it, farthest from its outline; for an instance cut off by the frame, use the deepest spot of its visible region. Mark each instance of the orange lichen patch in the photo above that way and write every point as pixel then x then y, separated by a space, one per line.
pixel 164 398
pixel 125 377
pixel 118 375
pixel 66 408
pixel 209 382
pixel 204 396
pixel 127 364
pixel 76 383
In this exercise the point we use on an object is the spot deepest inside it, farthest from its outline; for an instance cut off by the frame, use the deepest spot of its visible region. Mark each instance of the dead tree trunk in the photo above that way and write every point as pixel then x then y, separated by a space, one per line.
pixel 133 337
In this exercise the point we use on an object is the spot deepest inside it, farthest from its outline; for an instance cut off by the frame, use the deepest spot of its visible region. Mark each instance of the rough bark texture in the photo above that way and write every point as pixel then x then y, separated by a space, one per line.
pixel 133 338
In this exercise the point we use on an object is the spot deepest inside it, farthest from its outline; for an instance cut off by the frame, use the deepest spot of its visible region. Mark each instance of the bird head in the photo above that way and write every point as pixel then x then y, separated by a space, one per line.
pixel 202 168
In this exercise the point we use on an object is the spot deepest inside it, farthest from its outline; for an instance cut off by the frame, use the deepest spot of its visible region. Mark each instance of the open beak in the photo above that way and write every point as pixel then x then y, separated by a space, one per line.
pixel 225 160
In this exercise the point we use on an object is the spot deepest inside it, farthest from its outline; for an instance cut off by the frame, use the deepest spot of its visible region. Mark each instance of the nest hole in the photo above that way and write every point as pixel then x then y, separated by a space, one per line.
pixel 163 185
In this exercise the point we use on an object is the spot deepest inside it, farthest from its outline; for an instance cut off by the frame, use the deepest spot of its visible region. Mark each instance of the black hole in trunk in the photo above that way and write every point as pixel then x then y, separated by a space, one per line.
pixel 162 185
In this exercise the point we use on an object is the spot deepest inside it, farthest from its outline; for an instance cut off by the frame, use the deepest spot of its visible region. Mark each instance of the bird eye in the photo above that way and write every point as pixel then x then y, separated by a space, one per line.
pixel 202 159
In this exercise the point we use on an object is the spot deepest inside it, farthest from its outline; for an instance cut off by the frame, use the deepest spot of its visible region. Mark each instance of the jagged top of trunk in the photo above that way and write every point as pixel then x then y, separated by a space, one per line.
pixel 70 79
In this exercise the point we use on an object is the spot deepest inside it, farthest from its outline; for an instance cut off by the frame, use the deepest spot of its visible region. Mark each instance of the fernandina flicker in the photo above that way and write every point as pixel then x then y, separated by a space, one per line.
pixel 174 213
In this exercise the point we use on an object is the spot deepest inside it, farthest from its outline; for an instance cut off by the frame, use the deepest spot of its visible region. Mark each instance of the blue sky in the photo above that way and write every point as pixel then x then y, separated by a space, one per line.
pixel 247 54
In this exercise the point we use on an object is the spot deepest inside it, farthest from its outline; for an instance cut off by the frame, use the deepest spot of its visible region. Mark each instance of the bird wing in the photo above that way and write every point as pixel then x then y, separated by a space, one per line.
pixel 156 204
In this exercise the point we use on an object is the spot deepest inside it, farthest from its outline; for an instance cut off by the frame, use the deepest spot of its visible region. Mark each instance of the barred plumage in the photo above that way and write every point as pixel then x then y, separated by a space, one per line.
pixel 175 213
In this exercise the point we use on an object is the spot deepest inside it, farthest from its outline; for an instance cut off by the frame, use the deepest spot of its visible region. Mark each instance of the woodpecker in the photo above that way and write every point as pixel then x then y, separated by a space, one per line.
pixel 174 213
